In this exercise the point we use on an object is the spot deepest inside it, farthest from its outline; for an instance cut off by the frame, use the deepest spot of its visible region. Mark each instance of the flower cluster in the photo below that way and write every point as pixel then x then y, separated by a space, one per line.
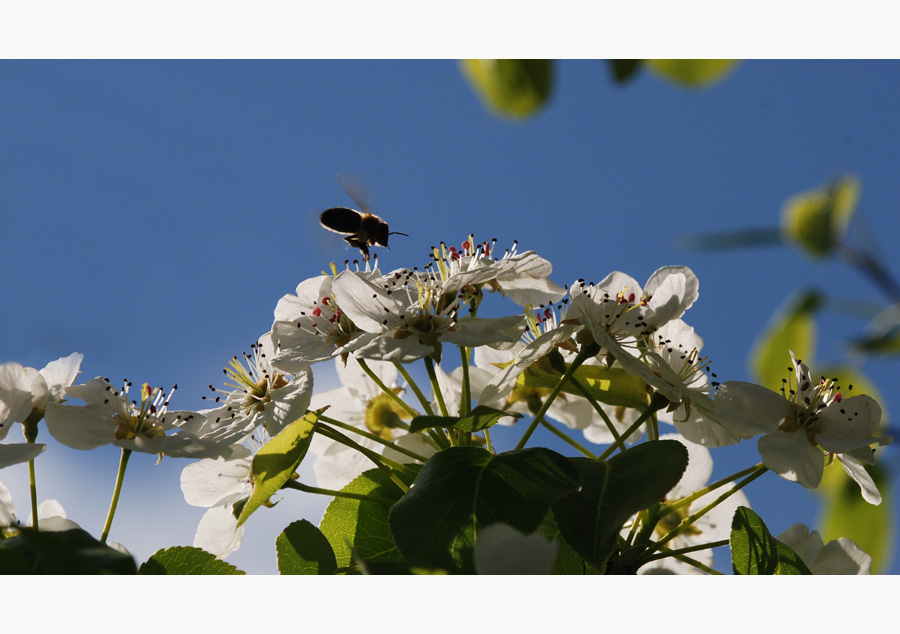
pixel 612 360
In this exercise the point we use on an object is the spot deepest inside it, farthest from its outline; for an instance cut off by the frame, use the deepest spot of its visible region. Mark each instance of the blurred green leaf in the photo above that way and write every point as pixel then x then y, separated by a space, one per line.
pixel 624 70
pixel 591 518
pixel 755 552
pixel 277 460
pixel 692 73
pixel 613 386
pixel 463 488
pixel 512 88
pixel 302 549
pixel 816 220
pixel 792 328
pixel 186 560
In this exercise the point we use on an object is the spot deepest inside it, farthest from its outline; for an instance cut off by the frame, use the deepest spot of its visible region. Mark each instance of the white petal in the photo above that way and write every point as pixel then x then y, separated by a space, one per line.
pixel 858 473
pixel 81 426
pixel 749 409
pixel 14 453
pixel 791 456
pixel 7 508
pixel 366 304
pixel 61 373
pixel 218 532
pixel 217 482
pixel 699 468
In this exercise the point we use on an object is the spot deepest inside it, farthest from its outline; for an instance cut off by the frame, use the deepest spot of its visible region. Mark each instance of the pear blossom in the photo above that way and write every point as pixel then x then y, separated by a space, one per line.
pixel 710 527
pixel 841 556
pixel 25 390
pixel 361 403
pixel 619 305
pixel 522 277
pixel 217 484
pixel 502 550
pixel 257 393
pixel 798 424
pixel 412 317
pixel 108 417
pixel 310 326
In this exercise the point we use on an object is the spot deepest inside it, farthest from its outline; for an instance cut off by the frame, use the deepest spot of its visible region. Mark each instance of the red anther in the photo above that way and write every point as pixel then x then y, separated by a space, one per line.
pixel 465 245
pixel 548 313
pixel 317 311
pixel 326 301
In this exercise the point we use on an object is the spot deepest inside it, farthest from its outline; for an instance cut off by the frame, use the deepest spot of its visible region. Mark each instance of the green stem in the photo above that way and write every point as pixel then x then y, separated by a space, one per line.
pixel 707 489
pixel 657 402
pixel 426 405
pixel 30 430
pixel 34 504
pixel 665 552
pixel 120 477
pixel 372 437
pixel 598 408
pixel 435 387
pixel 565 438
pixel 377 380
pixel 583 355
pixel 465 403
pixel 299 486
pixel 379 460
pixel 683 526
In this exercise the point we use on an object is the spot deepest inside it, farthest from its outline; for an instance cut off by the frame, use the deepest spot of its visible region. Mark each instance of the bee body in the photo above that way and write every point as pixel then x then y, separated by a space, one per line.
pixel 361 229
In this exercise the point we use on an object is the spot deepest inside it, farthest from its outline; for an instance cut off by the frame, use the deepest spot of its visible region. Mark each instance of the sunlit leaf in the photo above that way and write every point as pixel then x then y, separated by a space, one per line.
pixel 302 549
pixel 276 462
pixel 186 560
pixel 692 73
pixel 792 328
pixel 755 552
pixel 513 88
pixel 816 220
pixel 361 526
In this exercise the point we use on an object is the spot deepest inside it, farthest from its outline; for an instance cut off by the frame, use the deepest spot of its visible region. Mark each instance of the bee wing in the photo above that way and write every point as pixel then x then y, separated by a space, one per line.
pixel 356 188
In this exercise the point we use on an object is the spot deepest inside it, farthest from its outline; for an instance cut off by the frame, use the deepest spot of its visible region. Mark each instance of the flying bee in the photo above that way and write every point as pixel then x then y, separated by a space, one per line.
pixel 361 229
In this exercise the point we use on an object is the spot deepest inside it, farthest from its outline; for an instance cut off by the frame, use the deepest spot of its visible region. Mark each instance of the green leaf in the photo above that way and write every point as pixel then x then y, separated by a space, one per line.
pixel 792 328
pixel 612 491
pixel 513 88
pixel 277 460
pixel 816 221
pixel 394 567
pixel 613 386
pixel 302 549
pixel 361 525
pixel 479 418
pixel 692 73
pixel 755 552
pixel 624 70
pixel 186 560
pixel 463 488
pixel 71 552
pixel 846 514
pixel 568 562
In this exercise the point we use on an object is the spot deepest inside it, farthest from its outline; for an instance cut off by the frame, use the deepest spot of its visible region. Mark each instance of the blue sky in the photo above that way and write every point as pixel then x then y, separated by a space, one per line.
pixel 153 213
